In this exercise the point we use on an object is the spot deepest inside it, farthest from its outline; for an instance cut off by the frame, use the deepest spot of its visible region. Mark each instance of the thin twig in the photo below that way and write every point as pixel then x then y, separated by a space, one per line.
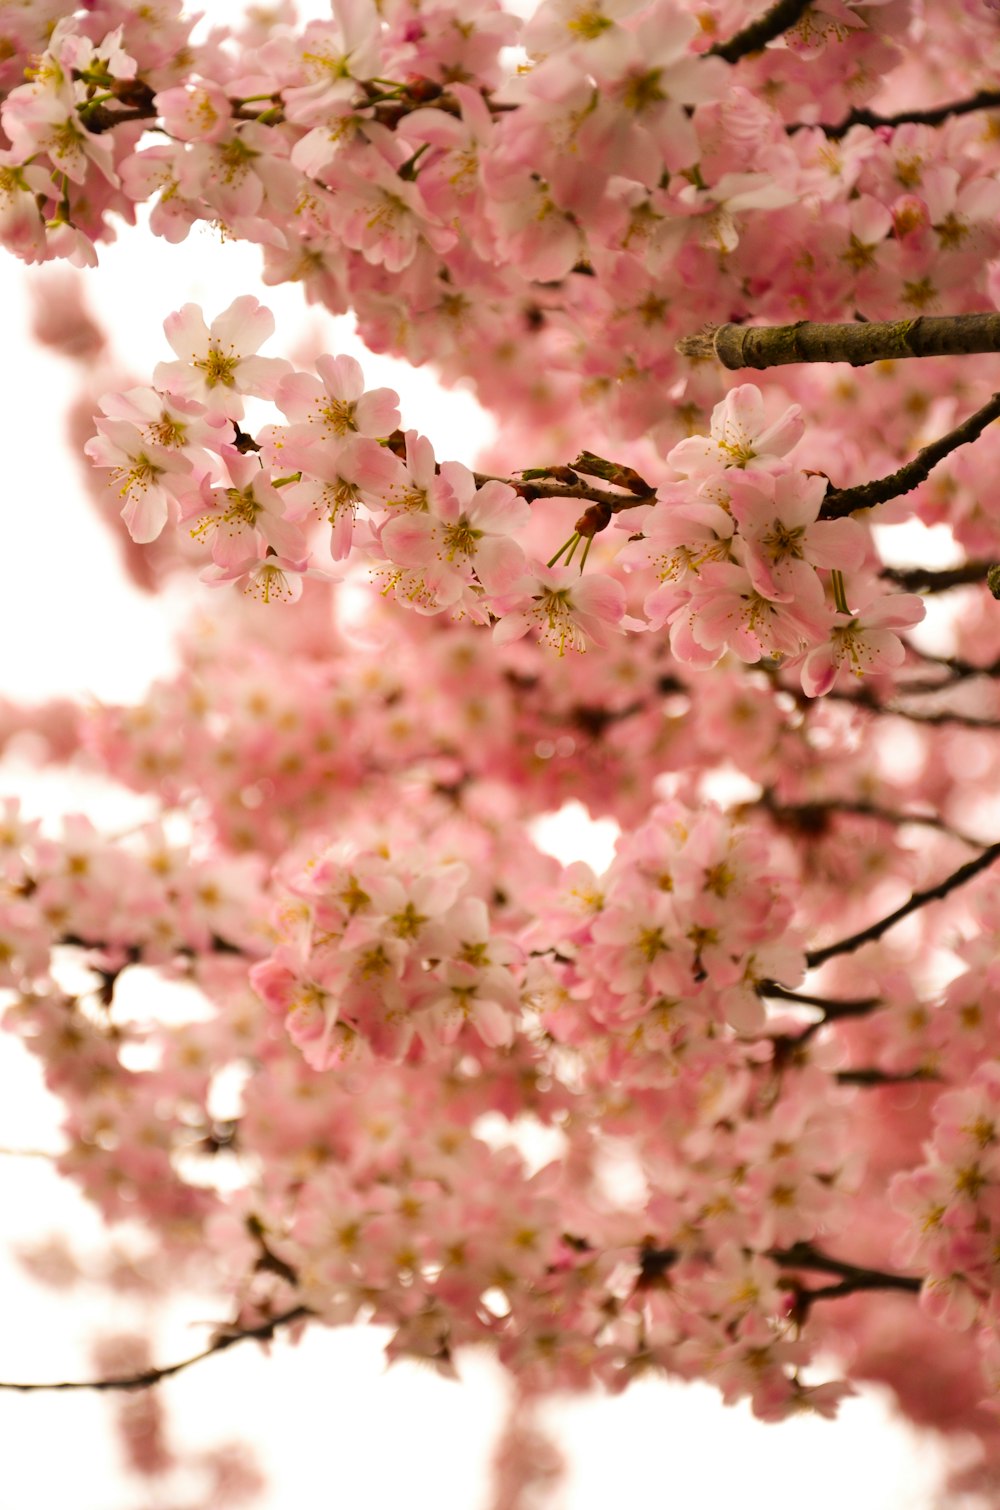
pixel 840 502
pixel 869 1076
pixel 863 698
pixel 959 668
pixel 924 579
pixel 150 1376
pixel 831 1007
pixel 866 699
pixel 540 488
pixel 810 816
pixel 874 931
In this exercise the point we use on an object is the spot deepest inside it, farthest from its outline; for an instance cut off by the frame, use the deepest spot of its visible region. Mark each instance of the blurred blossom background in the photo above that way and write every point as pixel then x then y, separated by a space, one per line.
pixel 329 1424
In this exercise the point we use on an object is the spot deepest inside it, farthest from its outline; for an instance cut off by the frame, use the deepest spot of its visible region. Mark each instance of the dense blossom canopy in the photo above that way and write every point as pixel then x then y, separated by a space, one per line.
pixel 778 1010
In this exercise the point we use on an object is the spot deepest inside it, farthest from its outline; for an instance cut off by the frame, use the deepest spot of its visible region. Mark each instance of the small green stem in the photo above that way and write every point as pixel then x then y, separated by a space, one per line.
pixel 408 171
pixel 567 545
pixel 840 592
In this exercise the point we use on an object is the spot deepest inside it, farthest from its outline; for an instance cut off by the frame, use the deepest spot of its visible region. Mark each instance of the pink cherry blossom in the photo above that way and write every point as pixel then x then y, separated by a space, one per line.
pixel 565 607
pixel 862 644
pixel 739 436
pixel 217 364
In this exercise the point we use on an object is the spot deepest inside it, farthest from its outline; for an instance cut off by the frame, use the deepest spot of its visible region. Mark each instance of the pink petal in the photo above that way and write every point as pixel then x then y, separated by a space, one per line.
pixel 244 326
pixel 499 563
pixel 187 333
pixel 145 515
pixel 343 377
pixel 410 539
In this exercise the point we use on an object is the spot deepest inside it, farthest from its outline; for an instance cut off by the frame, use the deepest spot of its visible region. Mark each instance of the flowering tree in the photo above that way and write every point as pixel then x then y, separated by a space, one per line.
pixel 781 1013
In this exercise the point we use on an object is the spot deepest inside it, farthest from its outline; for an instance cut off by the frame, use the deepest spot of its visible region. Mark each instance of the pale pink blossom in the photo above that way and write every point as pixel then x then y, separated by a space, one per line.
pixel 218 364
pixel 564 607
pixel 864 643
pixel 740 435
pixel 337 403
pixel 144 473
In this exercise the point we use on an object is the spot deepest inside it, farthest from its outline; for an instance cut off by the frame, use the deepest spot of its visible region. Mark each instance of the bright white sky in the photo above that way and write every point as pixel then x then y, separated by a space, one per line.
pixel 330 1424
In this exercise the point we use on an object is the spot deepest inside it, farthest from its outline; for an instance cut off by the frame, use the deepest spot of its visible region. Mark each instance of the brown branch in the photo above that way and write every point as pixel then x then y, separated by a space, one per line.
pixel 874 931
pixel 805 1256
pixel 873 1077
pixel 960 669
pixel 986 99
pixel 754 37
pixel 923 579
pixel 829 1006
pixel 804 1298
pixel 99 118
pixel 864 698
pixel 150 1376
pixel 536 487
pixel 810 817
pixel 859 342
pixel 840 502
pixel 541 489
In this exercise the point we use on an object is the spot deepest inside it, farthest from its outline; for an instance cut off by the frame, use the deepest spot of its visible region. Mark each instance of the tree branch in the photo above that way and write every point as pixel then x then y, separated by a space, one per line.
pixel 753 38
pixel 840 502
pixel 874 1077
pixel 863 698
pixel 874 931
pixel 960 669
pixel 543 488
pixel 986 99
pixel 805 1298
pixel 150 1376
pixel 831 1007
pixel 805 1256
pixel 810 817
pixel 859 343
pixel 924 579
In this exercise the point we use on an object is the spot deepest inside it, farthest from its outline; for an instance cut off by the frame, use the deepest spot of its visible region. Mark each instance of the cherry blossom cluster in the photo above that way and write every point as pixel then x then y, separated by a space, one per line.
pixel 565 1286
pixel 393 953
pixel 675 939
pixel 620 183
pixel 144 901
pixel 736 540
pixel 724 1045
pixel 376 948
pixel 739 547
pixel 436 540
pixel 951 1207
pixel 389 955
